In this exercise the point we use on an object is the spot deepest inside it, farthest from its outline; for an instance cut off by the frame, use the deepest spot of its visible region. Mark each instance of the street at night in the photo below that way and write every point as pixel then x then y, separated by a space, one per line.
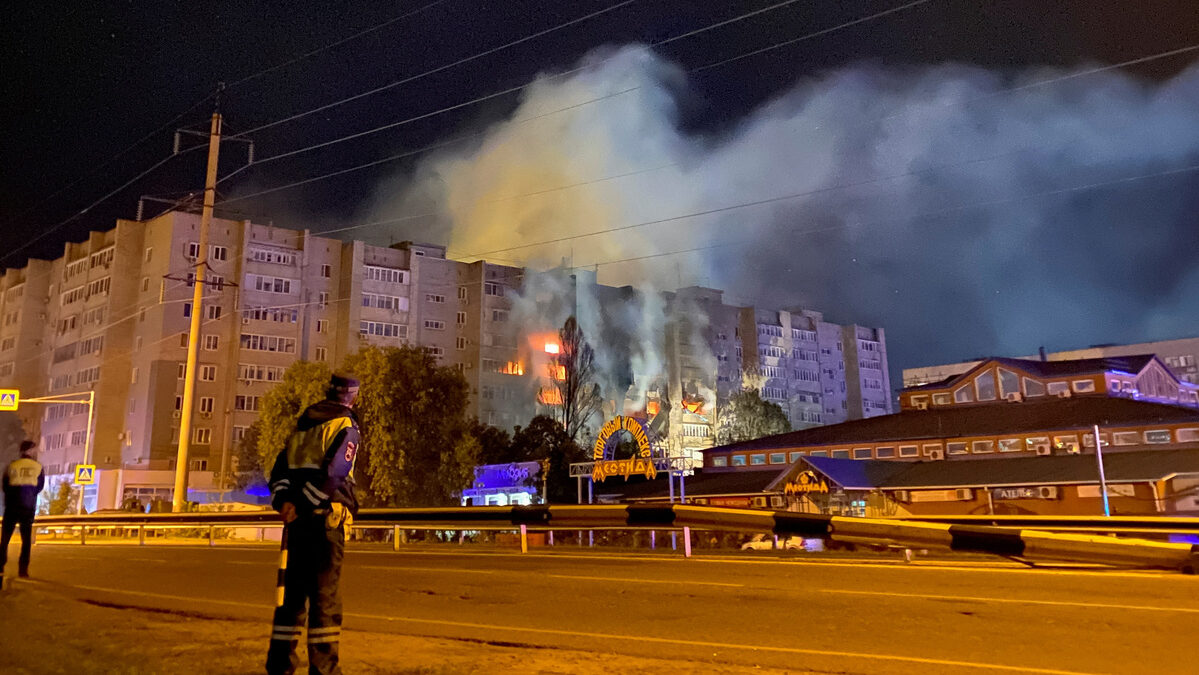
pixel 850 615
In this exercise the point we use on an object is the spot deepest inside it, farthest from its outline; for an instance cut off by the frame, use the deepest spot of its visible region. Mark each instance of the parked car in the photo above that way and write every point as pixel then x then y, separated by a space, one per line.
pixel 762 542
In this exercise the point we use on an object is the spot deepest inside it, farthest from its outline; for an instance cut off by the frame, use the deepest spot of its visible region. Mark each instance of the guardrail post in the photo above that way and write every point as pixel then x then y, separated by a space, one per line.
pixel 82 535
pixel 774 543
pixel 141 535
pixel 551 537
pixel 211 530
pixel 395 537
pixel 674 540
pixel 686 542
pixel 653 539
pixel 524 538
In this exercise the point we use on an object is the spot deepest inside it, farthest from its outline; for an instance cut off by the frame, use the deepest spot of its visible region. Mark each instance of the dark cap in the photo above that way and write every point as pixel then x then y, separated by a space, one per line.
pixel 341 381
pixel 27 446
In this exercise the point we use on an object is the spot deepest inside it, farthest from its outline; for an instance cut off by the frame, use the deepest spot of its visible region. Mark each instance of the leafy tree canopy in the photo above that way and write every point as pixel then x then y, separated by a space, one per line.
pixel 746 416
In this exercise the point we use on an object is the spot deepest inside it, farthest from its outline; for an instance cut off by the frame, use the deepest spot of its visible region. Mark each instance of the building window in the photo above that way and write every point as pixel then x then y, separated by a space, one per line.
pixel 219 252
pixel 1010 445
pixel 213 312
pixel 1067 443
pixel 1126 438
pixel 322 299
pixel 392 302
pixel 198 464
pixel 862 453
pixel 202 436
pixel 462 293
pixel 250 372
pixel 268 343
pixel 149 254
pixel 1157 436
pixel 1082 386
pixel 431 324
pixel 841 454
pixel 435 298
pixel 720 461
pixel 941 399
pixel 931 449
pixel 211 342
pixel 270 255
pixel 247 403
pixel 460 343
pixel 239 433
pixel 206 404
pixel 738 460
pixel 982 447
pixel 964 395
pixel 955 448
pixel 885 452
pixel 193 250
pixel 778 458
pixel 909 451
pixel 381 329
pixel 461 318
pixel 133 376
pixel 321 354
pixel 208 373
pixel 258 282
pixel 326 271
pixel 499 315
pixel 493 289
pixel 145 284
pixel 322 325
pixel 1033 388
pixel 1037 444
pixel 385 274
pixel 1056 388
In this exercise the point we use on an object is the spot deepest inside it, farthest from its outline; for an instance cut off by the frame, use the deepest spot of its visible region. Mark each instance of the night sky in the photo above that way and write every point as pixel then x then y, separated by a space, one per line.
pixel 83 83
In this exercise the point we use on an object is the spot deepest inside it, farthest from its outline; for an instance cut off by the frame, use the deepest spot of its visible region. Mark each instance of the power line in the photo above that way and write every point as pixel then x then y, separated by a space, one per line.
pixel 926 214
pixel 96 169
pixel 418 151
pixel 781 198
pixel 563 74
pixel 89 207
pixel 440 68
pixel 336 43
pixel 809 36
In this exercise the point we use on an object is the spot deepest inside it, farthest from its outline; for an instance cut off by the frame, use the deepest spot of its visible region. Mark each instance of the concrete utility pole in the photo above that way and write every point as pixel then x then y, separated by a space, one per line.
pixel 179 499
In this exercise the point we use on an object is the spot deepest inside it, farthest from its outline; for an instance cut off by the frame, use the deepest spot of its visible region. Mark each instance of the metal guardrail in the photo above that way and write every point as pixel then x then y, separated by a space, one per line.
pixel 1116 524
pixel 1031 544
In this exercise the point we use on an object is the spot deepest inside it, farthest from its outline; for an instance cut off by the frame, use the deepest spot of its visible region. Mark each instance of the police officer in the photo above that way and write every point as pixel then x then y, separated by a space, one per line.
pixel 23 480
pixel 312 487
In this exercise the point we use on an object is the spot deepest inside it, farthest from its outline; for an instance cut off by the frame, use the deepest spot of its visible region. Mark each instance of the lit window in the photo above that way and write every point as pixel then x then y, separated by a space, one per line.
pixel 778 458
pixel 862 453
pixel 982 447
pixel 720 461
pixel 956 448
pixel 738 460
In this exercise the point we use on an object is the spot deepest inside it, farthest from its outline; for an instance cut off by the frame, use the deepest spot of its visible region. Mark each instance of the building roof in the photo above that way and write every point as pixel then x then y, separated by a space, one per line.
pixel 1073 367
pixel 699 485
pixel 979 420
pixel 1119 467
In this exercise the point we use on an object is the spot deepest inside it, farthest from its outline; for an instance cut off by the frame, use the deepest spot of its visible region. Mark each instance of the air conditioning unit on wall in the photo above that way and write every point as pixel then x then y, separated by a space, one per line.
pixel 1047 492
pixel 902 496
pixel 1044 449
pixel 1065 393
pixel 1014 397
pixel 936 454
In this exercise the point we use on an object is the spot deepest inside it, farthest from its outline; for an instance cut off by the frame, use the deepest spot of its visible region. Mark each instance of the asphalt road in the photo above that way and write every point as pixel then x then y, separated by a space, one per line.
pixel 825 616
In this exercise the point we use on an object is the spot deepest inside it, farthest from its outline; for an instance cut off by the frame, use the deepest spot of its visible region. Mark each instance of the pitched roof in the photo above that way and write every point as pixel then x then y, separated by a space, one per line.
pixel 1119 467
pixel 1067 368
pixel 996 419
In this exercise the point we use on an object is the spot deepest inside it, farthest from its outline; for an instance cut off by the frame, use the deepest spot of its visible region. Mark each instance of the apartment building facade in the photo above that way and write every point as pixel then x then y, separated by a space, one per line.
pixel 111 315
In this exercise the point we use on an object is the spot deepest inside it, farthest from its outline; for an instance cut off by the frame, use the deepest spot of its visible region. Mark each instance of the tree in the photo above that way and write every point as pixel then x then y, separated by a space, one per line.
pixel 303 383
pixel 12 432
pixel 545 439
pixel 495 444
pixel 63 500
pixel 418 449
pixel 746 416
pixel 247 468
pixel 573 373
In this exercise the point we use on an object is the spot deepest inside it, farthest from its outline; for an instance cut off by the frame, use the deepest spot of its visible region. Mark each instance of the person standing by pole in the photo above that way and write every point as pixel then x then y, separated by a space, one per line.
pixel 23 479
pixel 312 488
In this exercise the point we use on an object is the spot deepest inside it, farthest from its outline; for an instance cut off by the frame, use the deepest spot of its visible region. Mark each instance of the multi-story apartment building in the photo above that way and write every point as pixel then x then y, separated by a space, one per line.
pixel 112 314
pixel 1180 356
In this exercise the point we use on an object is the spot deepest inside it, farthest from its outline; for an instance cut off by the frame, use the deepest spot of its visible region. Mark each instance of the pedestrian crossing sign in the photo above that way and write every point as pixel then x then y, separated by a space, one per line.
pixel 85 474
pixel 10 399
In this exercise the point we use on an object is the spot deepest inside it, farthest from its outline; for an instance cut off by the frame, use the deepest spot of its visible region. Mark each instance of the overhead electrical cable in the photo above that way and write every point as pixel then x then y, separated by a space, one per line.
pixel 331 45
pixel 438 69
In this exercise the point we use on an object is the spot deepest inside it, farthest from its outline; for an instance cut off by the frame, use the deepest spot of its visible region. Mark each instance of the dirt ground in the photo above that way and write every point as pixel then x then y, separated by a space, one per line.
pixel 46 631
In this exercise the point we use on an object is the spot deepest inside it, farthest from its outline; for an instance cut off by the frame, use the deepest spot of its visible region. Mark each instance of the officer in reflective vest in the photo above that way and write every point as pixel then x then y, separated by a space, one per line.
pixel 23 480
pixel 312 487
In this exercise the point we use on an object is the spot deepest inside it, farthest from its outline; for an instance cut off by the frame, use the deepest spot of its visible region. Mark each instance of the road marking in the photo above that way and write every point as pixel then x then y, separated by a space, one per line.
pixel 591 636
pixel 155 560
pixel 646 581
pixel 1014 601
pixel 404 568
pixel 249 562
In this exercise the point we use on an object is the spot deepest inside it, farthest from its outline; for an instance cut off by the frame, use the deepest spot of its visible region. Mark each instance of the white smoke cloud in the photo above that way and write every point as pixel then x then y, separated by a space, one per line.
pixel 926 205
